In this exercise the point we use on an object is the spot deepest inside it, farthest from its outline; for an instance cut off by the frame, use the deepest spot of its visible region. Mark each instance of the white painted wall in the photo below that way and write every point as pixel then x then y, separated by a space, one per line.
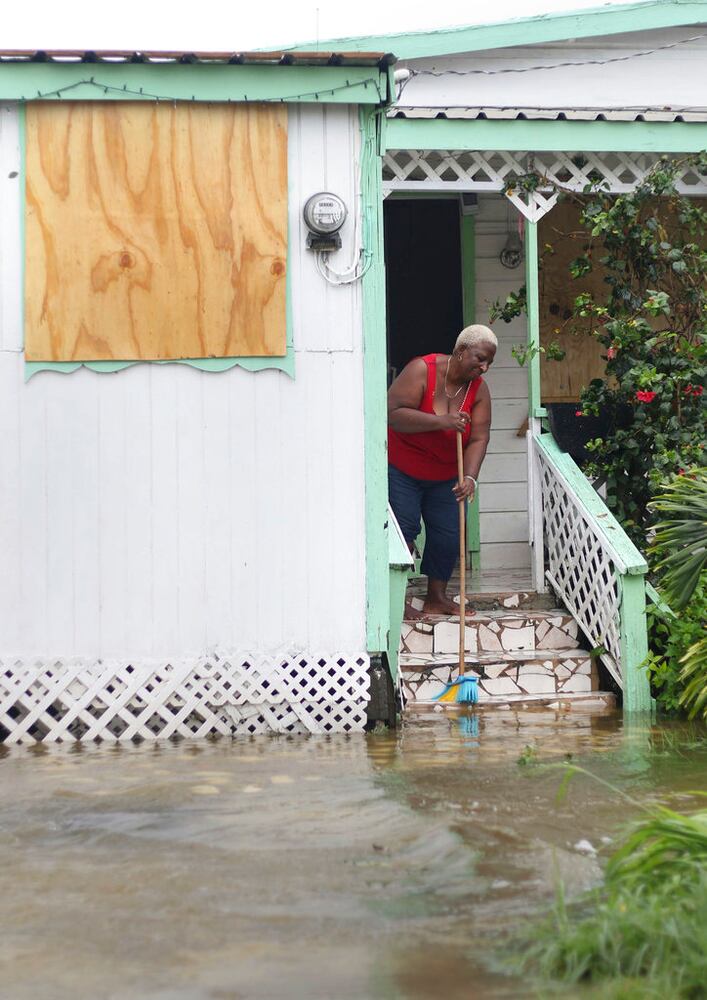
pixel 163 511
pixel 504 475
pixel 673 77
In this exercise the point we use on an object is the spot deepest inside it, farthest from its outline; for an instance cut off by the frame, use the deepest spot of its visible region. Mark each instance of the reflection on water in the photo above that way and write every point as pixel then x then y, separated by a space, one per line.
pixel 384 866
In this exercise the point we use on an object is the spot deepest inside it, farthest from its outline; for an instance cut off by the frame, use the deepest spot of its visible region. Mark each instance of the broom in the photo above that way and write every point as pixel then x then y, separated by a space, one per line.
pixel 464 689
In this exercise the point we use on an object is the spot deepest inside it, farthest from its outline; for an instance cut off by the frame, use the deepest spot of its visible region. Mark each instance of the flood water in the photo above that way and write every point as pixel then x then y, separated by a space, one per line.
pixel 383 866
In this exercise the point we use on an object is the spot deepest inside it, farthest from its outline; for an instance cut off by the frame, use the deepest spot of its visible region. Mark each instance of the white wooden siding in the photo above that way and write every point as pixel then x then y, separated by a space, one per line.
pixel 165 511
pixel 672 77
pixel 10 260
pixel 504 475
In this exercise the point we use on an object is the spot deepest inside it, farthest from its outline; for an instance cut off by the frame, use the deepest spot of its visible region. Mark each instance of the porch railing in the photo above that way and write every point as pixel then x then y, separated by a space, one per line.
pixel 595 568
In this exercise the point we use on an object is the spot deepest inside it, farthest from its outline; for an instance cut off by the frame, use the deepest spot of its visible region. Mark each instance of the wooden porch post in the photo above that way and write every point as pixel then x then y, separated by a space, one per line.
pixel 535 411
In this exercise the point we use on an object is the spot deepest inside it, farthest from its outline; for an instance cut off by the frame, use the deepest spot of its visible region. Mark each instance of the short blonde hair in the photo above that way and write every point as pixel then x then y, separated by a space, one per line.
pixel 475 334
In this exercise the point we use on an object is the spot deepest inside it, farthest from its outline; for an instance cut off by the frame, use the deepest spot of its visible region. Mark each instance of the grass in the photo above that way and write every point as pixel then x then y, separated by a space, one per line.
pixel 643 934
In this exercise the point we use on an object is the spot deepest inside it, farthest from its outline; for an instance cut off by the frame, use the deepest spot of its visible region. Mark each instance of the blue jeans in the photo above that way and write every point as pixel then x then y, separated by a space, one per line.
pixel 434 501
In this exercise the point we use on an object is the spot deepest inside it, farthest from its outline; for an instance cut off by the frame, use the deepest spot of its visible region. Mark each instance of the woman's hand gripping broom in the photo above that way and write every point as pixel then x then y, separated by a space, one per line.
pixel 465 688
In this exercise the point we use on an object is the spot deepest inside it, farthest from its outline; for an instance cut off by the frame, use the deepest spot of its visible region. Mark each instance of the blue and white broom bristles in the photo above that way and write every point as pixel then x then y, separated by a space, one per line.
pixel 463 690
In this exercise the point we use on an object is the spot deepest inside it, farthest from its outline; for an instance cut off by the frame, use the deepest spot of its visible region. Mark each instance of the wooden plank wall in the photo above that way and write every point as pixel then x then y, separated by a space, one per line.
pixel 504 475
pixel 164 511
pixel 155 231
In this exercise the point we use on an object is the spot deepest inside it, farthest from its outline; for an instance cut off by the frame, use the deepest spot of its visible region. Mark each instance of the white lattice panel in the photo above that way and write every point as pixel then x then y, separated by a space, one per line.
pixel 580 568
pixel 226 695
pixel 465 170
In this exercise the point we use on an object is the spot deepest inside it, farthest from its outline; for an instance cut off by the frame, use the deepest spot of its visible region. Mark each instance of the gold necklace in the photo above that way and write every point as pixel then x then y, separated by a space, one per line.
pixel 445 382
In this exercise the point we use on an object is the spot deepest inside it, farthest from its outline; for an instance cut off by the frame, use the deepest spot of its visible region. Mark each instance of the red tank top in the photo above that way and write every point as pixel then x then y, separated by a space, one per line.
pixel 430 454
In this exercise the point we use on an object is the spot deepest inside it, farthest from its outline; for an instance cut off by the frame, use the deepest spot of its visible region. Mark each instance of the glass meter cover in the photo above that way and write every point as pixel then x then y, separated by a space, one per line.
pixel 324 213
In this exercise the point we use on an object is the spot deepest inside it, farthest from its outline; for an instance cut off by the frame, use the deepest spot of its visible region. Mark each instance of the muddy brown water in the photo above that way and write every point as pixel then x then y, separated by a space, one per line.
pixel 391 865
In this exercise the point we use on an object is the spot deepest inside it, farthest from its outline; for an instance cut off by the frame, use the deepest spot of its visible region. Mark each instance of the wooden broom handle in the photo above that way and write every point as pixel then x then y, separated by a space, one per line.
pixel 462 554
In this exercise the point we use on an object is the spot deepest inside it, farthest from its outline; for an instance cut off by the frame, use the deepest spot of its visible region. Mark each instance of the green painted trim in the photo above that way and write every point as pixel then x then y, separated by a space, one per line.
pixel 467 232
pixel 539 136
pixel 473 528
pixel 534 30
pixel 467 227
pixel 374 392
pixel 28 81
pixel 418 193
pixel 634 645
pixel 284 364
pixel 626 556
pixel 533 299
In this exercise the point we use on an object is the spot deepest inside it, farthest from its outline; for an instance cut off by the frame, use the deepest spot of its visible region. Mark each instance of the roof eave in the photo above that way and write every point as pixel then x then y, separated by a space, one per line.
pixel 562 26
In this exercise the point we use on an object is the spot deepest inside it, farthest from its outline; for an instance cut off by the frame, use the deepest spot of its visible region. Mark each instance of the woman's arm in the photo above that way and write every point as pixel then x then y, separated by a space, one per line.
pixel 475 450
pixel 404 398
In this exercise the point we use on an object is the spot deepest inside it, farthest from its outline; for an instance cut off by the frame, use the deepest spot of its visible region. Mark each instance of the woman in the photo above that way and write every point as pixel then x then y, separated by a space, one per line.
pixel 434 397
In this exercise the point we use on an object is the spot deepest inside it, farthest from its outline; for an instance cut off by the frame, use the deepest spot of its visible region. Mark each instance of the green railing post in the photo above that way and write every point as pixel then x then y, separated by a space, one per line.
pixel 532 291
pixel 634 643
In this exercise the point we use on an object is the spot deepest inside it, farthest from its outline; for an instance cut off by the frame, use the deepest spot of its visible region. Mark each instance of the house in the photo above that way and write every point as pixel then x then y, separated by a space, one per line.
pixel 182 391
pixel 590 94
pixel 194 513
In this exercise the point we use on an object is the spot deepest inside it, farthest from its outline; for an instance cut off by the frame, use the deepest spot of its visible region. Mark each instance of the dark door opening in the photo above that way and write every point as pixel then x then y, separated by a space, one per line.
pixel 423 278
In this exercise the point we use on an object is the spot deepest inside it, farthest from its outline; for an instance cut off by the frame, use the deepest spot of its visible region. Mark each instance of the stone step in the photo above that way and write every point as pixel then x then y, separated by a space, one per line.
pixel 485 600
pixel 547 672
pixel 595 701
pixel 491 631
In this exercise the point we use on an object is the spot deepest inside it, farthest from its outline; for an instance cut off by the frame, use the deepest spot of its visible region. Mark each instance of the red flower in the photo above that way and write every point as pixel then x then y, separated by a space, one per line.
pixel 578 413
pixel 611 353
pixel 688 389
pixel 681 472
pixel 644 396
pixel 698 390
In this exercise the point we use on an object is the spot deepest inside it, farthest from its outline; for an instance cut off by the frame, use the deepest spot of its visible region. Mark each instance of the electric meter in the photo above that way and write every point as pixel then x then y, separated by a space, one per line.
pixel 324 213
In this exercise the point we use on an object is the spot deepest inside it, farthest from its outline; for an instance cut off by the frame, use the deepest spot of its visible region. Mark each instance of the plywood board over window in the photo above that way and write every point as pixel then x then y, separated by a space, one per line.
pixel 155 231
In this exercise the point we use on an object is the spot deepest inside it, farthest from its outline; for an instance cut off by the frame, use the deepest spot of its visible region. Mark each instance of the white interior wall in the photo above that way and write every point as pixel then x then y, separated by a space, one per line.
pixel 504 475
pixel 163 511
pixel 673 77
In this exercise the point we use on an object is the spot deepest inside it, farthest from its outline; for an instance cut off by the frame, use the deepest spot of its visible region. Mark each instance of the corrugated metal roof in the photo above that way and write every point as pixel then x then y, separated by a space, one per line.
pixel 554 114
pixel 379 59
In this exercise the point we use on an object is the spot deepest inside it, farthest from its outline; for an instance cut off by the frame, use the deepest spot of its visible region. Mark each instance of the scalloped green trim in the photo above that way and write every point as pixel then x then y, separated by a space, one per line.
pixel 285 363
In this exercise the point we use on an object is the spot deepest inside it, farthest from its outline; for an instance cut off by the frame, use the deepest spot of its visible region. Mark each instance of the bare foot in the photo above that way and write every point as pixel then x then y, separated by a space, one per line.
pixel 411 614
pixel 445 607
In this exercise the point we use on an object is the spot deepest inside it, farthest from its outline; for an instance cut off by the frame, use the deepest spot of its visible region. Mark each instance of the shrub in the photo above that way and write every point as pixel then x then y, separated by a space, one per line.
pixel 653 323
pixel 678 661
pixel 644 933
pixel 670 638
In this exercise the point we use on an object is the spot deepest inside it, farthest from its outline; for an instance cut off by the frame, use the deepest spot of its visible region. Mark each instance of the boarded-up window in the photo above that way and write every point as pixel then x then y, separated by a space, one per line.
pixel 155 231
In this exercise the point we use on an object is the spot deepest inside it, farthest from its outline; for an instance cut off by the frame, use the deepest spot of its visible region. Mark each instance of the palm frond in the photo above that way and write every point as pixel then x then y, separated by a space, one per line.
pixel 680 540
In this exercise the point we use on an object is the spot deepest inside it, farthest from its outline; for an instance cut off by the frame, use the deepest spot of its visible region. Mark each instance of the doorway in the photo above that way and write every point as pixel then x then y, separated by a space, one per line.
pixel 430 285
pixel 423 266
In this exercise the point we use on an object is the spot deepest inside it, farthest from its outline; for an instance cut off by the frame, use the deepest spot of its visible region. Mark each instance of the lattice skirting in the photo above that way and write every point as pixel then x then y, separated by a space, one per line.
pixel 227 695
